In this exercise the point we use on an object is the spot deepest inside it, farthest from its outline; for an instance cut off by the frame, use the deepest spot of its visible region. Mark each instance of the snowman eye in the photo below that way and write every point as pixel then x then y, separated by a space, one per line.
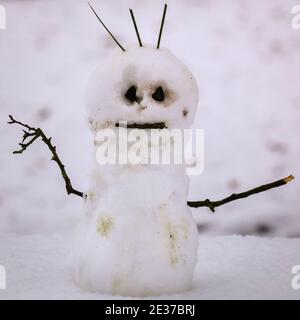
pixel 159 94
pixel 131 94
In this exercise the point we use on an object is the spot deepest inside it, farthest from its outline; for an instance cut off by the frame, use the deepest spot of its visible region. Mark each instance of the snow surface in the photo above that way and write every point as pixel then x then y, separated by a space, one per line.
pixel 229 267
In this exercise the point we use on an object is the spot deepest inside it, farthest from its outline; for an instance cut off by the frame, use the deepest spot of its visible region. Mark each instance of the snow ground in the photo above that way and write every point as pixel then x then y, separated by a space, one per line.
pixel 229 267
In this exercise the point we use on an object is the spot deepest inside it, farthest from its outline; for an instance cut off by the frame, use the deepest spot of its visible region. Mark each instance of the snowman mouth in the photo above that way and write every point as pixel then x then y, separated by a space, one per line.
pixel 145 125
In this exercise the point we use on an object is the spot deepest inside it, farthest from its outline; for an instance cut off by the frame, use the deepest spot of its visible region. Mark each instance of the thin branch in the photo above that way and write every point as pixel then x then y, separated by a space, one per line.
pixel 154 125
pixel 23 145
pixel 12 120
pixel 235 196
pixel 105 27
pixel 161 26
pixel 36 133
pixel 135 27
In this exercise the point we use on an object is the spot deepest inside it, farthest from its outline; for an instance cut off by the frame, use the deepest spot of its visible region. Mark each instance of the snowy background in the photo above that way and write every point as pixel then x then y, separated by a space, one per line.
pixel 246 59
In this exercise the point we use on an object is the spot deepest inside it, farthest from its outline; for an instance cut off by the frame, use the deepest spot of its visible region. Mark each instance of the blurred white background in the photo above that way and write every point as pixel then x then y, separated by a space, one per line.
pixel 246 59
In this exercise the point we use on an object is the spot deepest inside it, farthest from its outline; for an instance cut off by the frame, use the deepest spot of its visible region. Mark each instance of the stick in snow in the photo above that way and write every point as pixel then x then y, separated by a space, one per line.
pixel 35 133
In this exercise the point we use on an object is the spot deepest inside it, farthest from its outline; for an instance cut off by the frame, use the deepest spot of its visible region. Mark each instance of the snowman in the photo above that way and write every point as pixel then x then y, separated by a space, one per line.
pixel 137 236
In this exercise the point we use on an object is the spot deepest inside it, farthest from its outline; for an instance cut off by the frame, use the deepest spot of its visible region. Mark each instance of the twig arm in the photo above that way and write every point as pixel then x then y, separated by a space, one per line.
pixel 235 196
pixel 34 134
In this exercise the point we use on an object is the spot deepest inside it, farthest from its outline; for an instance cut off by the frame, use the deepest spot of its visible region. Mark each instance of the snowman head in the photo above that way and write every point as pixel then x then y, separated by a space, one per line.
pixel 144 85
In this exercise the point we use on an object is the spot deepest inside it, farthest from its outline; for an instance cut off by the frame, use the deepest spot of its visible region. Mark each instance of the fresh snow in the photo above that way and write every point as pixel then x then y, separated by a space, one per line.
pixel 229 267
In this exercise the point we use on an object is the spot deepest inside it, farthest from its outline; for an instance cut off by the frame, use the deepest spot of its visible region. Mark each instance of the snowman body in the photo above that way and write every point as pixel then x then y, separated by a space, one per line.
pixel 137 236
